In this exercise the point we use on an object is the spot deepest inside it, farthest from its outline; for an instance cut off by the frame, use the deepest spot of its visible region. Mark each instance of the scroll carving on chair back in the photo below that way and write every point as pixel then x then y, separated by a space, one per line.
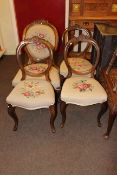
pixel 70 32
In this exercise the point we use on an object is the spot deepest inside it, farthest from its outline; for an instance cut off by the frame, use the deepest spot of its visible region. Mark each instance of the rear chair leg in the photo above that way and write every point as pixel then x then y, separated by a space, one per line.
pixel 53 113
pixel 11 112
pixel 63 106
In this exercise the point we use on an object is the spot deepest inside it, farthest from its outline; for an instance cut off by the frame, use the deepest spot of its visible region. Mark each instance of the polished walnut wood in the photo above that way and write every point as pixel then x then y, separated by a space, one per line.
pixel 86 12
pixel 106 37
pixel 108 80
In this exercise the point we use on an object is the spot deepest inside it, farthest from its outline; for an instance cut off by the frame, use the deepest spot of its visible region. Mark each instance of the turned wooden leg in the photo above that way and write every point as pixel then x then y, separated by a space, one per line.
pixel 63 106
pixel 53 112
pixel 104 107
pixel 11 112
pixel 112 116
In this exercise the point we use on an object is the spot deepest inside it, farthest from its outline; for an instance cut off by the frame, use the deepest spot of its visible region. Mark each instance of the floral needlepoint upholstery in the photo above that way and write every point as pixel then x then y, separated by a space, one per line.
pixel 43 32
pixel 83 91
pixel 39 68
pixel 32 94
pixel 78 64
pixel 36 68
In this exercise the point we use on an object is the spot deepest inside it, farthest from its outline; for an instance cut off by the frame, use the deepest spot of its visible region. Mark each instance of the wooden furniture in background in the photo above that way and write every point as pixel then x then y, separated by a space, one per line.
pixel 109 82
pixel 86 12
pixel 106 37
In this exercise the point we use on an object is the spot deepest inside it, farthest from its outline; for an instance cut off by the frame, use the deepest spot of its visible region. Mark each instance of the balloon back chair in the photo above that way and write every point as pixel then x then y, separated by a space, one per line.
pixel 108 80
pixel 44 30
pixel 80 90
pixel 83 63
pixel 33 93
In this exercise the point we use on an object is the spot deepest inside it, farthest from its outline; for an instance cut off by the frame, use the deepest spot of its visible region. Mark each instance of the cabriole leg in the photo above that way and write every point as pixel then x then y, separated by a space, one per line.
pixel 11 112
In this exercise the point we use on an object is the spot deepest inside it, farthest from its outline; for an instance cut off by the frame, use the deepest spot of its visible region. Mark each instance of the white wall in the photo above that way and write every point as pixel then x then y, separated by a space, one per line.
pixel 66 13
pixel 8 29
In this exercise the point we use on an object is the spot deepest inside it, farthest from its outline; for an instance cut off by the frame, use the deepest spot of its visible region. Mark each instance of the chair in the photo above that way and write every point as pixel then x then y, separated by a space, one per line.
pixel 33 93
pixel 108 80
pixel 80 90
pixel 83 63
pixel 43 30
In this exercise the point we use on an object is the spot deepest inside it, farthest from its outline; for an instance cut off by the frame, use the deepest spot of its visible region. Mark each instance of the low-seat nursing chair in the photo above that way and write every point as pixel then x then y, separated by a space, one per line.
pixel 80 90
pixel 44 30
pixel 33 93
pixel 83 63
pixel 108 80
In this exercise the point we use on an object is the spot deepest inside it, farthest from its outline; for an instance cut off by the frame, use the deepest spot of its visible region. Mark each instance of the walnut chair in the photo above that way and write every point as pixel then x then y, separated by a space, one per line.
pixel 108 80
pixel 83 63
pixel 33 93
pixel 44 30
pixel 80 90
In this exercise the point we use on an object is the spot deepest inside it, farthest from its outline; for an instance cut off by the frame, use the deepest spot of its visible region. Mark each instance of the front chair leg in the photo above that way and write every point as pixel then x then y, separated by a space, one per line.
pixel 53 113
pixel 112 116
pixel 63 106
pixel 11 112
pixel 104 107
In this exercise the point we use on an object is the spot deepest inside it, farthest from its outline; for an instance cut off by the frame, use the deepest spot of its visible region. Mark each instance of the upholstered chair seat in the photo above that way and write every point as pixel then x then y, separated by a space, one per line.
pixel 32 94
pixel 80 64
pixel 82 91
pixel 39 68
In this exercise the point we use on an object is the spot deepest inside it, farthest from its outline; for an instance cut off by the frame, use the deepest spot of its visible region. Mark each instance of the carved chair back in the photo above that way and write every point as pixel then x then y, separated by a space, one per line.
pixel 72 31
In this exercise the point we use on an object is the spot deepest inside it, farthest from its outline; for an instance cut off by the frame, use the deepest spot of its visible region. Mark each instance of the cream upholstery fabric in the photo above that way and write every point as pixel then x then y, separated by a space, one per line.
pixel 32 94
pixel 54 75
pixel 83 91
pixel 44 32
pixel 78 64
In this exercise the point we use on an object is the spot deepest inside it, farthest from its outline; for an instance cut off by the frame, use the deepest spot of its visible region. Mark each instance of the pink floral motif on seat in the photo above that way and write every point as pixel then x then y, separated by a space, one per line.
pixel 31 89
pixel 36 68
pixel 78 64
pixel 83 86
pixel 42 36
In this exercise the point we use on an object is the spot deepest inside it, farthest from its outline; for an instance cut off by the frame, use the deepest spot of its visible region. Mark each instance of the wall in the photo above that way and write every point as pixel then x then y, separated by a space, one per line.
pixel 51 10
pixel 13 22
pixel 8 29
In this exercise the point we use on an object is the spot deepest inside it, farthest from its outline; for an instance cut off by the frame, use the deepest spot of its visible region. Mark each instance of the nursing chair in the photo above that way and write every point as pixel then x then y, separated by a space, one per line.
pixel 80 90
pixel 33 93
pixel 108 80
pixel 44 30
pixel 83 63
